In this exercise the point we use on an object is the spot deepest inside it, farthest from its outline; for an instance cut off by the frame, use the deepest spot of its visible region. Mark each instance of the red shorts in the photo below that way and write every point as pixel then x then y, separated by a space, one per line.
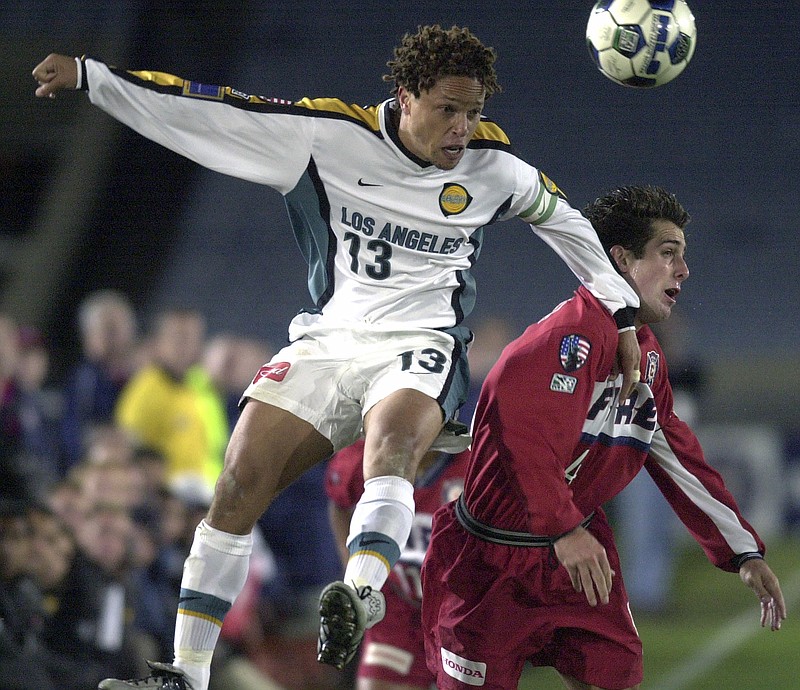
pixel 394 649
pixel 489 608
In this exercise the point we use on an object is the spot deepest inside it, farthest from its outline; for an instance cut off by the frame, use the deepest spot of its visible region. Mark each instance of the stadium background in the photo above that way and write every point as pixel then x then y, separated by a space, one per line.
pixel 87 204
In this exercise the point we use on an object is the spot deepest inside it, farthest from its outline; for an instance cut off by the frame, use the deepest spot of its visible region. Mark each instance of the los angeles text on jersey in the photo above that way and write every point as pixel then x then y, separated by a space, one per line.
pixel 399 234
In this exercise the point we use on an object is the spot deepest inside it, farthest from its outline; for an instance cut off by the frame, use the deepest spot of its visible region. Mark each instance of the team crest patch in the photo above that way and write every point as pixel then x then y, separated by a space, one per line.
pixel 574 351
pixel 551 186
pixel 561 383
pixel 651 368
pixel 276 372
pixel 454 199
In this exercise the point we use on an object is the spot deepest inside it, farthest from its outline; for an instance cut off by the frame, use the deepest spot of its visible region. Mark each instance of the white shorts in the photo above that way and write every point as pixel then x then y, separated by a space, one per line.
pixel 332 377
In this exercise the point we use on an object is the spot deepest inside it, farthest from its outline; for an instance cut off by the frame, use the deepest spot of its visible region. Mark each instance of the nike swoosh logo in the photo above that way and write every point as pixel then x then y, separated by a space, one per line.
pixel 367 542
pixel 361 183
pixel 182 599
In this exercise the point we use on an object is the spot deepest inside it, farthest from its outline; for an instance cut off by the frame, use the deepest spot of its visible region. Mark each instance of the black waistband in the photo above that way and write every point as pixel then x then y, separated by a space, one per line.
pixel 503 536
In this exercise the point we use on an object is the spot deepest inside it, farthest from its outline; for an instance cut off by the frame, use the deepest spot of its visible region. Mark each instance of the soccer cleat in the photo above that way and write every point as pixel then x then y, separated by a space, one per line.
pixel 163 677
pixel 345 613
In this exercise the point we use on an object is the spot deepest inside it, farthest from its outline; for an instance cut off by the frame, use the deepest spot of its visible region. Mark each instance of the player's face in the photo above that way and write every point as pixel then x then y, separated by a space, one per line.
pixel 437 126
pixel 658 275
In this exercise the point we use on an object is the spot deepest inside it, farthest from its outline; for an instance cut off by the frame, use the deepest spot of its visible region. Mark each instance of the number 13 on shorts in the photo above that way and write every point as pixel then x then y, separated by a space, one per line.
pixel 428 360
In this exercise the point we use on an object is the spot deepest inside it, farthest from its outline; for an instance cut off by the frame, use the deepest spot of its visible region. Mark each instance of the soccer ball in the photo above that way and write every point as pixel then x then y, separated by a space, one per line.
pixel 639 42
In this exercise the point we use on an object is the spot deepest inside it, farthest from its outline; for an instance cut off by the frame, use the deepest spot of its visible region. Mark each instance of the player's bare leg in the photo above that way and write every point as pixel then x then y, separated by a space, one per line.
pixel 269 448
pixel 398 432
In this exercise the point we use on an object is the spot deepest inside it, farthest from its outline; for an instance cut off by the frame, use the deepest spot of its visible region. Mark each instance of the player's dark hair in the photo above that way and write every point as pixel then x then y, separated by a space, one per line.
pixel 625 216
pixel 423 58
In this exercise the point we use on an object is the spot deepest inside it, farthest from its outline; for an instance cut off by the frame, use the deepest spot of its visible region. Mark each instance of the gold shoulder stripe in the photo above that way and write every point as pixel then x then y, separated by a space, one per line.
pixel 369 116
pixel 490 131
pixel 160 78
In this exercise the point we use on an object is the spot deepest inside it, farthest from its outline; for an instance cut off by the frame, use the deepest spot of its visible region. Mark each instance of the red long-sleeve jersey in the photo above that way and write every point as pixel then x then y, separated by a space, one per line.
pixel 552 441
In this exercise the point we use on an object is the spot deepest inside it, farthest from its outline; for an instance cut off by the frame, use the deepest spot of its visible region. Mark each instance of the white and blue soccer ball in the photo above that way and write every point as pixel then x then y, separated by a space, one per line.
pixel 641 43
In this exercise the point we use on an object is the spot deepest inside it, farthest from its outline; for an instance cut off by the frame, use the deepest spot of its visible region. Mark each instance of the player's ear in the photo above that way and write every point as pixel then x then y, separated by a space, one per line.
pixel 620 258
pixel 403 96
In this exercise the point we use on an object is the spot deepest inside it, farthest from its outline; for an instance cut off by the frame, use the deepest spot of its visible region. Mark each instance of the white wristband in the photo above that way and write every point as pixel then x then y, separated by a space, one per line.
pixel 79 83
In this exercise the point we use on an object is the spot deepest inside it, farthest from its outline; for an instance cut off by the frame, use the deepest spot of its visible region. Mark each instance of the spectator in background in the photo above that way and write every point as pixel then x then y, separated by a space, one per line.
pixel 212 403
pixel 23 473
pixel 162 409
pixel 12 479
pixel 24 661
pixel 86 621
pixel 40 406
pixel 19 605
pixel 53 552
pixel 108 332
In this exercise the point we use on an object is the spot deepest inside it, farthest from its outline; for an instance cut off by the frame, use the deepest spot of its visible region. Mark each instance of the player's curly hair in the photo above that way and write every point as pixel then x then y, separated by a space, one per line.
pixel 433 52
pixel 624 216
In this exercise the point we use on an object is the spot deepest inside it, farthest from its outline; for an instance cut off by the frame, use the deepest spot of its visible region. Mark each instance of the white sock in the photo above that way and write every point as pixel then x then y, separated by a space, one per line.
pixel 213 576
pixel 379 530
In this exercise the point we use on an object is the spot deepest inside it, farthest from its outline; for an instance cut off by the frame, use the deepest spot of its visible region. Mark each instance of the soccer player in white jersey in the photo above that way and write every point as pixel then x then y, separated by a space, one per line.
pixel 389 204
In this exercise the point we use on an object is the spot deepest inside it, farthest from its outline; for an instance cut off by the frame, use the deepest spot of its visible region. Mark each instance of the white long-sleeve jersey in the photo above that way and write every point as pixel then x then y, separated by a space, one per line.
pixel 390 240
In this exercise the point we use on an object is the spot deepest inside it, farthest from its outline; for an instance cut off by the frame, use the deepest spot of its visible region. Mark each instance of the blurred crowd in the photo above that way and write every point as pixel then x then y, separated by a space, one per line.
pixel 103 480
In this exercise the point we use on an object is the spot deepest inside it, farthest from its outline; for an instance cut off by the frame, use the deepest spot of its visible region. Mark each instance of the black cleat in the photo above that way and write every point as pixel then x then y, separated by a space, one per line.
pixel 164 677
pixel 345 613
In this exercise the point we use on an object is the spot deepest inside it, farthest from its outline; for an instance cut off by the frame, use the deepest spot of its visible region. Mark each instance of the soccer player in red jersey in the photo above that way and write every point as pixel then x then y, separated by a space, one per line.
pixel 523 567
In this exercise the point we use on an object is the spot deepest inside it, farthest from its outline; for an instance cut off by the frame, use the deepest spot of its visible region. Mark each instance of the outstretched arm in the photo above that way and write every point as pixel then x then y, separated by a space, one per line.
pixel 54 73
pixel 227 131
pixel 574 239
pixel 758 576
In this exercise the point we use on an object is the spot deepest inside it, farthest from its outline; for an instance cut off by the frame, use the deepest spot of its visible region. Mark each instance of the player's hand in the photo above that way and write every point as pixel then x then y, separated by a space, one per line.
pixel 629 359
pixel 54 73
pixel 758 576
pixel 587 564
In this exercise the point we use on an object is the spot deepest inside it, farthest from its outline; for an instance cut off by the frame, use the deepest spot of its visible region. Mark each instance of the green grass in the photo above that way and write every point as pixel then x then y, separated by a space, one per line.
pixel 711 637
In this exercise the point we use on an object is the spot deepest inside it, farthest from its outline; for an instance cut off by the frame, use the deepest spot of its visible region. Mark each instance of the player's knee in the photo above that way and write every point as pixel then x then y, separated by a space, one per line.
pixel 240 497
pixel 391 460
